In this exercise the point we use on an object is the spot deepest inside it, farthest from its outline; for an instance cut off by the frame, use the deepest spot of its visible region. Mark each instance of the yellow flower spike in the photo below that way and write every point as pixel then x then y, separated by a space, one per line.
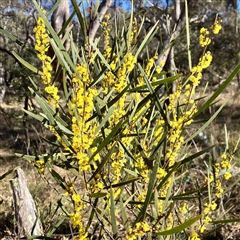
pixel 204 41
pixel 117 82
pixel 106 33
pixel 84 132
pixel 42 45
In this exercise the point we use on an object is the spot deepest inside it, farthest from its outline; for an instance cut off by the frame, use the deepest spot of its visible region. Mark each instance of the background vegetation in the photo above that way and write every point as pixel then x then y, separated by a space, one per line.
pixel 140 144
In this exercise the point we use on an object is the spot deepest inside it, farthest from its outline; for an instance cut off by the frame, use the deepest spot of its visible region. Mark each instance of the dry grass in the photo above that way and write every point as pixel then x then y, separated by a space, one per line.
pixel 45 194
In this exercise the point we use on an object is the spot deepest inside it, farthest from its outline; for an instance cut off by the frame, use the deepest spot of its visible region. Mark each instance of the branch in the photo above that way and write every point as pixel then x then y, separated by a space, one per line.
pixel 25 209
pixel 59 18
pixel 104 6
pixel 179 24
pixel 177 9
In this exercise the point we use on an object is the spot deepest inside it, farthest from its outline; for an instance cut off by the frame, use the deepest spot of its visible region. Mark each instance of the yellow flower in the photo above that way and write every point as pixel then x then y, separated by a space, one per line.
pixel 194 236
pixel 161 173
pixel 76 198
pixel 207 220
pixel 53 92
pixel 216 27
pixel 213 206
pixel 69 188
pixel 219 188
pixel 75 219
pixel 40 165
pixel 227 175
pixel 204 40
pixel 206 60
pixel 226 164
pixel 202 228
pixel 107 16
pixel 204 31
pixel 207 209
pixel 42 45
pixel 224 156
pixel 183 207
pixel 140 229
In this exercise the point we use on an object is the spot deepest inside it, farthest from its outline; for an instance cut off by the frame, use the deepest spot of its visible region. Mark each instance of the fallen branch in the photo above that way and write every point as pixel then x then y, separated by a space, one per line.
pixel 26 215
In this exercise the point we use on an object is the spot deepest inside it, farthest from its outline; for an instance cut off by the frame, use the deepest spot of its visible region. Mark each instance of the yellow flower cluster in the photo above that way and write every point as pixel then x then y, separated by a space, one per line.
pixel 204 38
pixel 158 133
pixel 208 209
pixel 76 218
pixel 133 32
pixel 219 188
pixel 117 81
pixel 127 66
pixel 177 124
pixel 106 31
pixel 169 222
pixel 40 164
pixel 225 166
pixel 42 41
pixel 118 162
pixel 160 66
pixel 204 62
pixel 150 65
pixel 139 163
pixel 140 230
pixel 143 120
pixel 81 108
pixel 194 236
pixel 53 92
pixel 42 45
pixel 183 207
pixel 96 185
pixel 196 75
pixel 216 27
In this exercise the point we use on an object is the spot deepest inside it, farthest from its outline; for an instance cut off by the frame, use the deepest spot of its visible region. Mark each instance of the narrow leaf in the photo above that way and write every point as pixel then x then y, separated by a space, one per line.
pixel 181 227
pixel 218 91
pixel 113 217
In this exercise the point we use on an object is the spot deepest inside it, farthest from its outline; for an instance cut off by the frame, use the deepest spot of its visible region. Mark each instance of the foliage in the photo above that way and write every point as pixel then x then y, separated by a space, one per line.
pixel 15 32
pixel 121 137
